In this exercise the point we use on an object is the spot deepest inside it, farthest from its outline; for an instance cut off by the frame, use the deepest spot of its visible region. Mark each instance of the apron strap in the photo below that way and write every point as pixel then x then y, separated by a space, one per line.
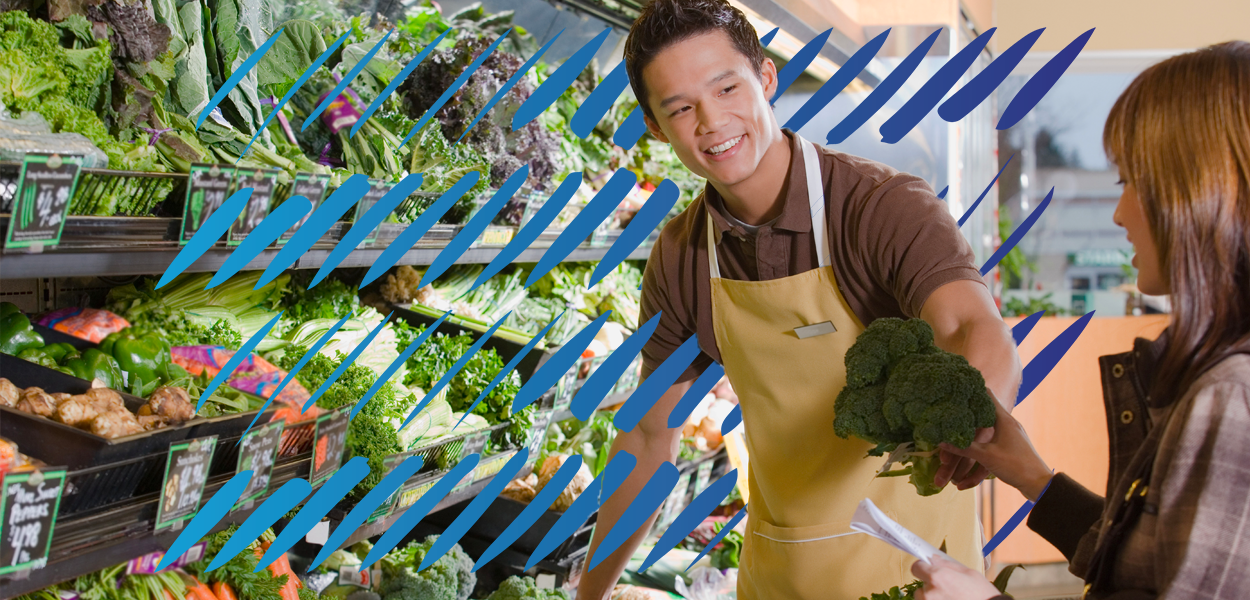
pixel 816 201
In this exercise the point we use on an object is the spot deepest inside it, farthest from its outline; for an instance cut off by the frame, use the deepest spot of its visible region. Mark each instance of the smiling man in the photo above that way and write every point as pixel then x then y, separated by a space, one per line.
pixel 791 250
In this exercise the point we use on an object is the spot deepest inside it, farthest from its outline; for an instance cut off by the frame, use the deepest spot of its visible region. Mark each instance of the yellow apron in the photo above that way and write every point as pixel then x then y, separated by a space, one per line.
pixel 805 482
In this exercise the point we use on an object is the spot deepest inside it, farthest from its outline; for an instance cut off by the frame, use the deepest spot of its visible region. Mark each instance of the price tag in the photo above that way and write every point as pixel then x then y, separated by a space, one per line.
pixel 264 182
pixel 409 496
pixel 377 189
pixel 465 482
pixel 533 204
pixel 146 564
pixel 257 452
pixel 538 435
pixel 309 186
pixel 330 437
pixel 491 467
pixel 676 500
pixel 206 191
pixel 353 576
pixel 186 472
pixel 599 237
pixel 495 236
pixel 45 186
pixel 387 506
pixel 474 444
pixel 28 507
pixel 702 475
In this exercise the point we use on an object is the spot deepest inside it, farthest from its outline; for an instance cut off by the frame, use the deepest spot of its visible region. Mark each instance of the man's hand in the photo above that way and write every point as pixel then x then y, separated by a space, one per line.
pixel 946 579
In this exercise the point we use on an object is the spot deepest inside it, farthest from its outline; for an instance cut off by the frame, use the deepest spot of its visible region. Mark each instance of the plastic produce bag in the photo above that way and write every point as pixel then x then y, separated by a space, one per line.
pixel 90 324
pixel 709 584
pixel 31 133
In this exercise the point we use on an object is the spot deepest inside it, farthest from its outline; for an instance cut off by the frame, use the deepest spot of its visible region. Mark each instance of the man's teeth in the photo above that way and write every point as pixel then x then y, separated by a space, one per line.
pixel 725 146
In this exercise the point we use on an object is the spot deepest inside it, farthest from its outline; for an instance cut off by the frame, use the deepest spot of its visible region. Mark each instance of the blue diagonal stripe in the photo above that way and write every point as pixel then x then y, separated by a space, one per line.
pixel 558 365
pixel 933 90
pixel 1045 361
pixel 644 505
pixel 456 85
pixel 691 517
pixel 508 368
pixel 414 231
pixel 644 222
pixel 208 516
pixel 799 63
pixel 690 400
pixel 379 494
pixel 601 381
pixel 592 215
pixel 1041 82
pixel 733 522
pixel 394 84
pixel 224 374
pixel 554 86
pixel 216 225
pixel 347 362
pixel 536 508
pixel 236 77
pixel 650 390
pixel 631 129
pixel 281 502
pixel 882 93
pixel 732 420
pixel 475 510
pixel 346 81
pixel 845 75
pixel 409 519
pixel 1016 235
pixel 282 218
pixel 512 81
pixel 976 91
pixel 322 219
pixel 618 468
pixel 768 37
pixel 1013 522
pixel 455 369
pixel 395 364
pixel 971 209
pixel 534 228
pixel 364 225
pixel 600 100
pixel 277 109
pixel 333 490
pixel 1022 329
pixel 475 227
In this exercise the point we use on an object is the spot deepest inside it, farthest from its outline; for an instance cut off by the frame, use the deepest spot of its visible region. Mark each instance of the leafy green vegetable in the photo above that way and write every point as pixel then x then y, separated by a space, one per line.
pixel 240 572
pixel 449 578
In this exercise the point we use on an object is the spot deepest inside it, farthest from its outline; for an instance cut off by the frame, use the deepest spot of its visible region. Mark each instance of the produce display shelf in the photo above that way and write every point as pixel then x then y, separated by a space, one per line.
pixel 609 400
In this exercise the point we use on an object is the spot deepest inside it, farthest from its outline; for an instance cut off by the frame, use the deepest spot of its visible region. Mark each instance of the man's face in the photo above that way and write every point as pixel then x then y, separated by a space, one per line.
pixel 711 106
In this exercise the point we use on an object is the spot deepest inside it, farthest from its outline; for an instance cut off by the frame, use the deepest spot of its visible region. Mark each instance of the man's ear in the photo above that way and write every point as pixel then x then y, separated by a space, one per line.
pixel 654 128
pixel 768 78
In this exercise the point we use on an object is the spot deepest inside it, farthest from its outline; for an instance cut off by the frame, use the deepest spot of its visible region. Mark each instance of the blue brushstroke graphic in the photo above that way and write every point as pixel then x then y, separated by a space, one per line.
pixel 204 239
pixel 644 222
pixel 234 361
pixel 455 369
pixel 719 536
pixel 1016 235
pixel 845 75
pixel 414 232
pixel 394 84
pixel 619 468
pixel 270 229
pixel 534 228
pixel 1041 82
pixel 691 517
pixel 508 368
pixel 942 194
pixel 882 93
pixel 346 81
pixel 1022 329
pixel 281 502
pixel 236 77
pixel 690 400
pixel 600 100
pixel 395 364
pixel 933 90
pixel 535 509
pixel 316 509
pixel 208 516
pixel 592 216
pixel 409 519
pixel 639 511
pixel 976 91
pixel 557 365
pixel 347 362
pixel 971 209
pixel 474 228
pixel 277 109
pixel 799 63
pixel 650 390
pixel 322 219
pixel 363 225
pixel 601 381
pixel 1045 361
pixel 325 337
pixel 475 509
pixel 631 129
pixel 732 420
pixel 768 37
pixel 554 86
pixel 1013 522
pixel 508 85
pixel 379 494
pixel 455 86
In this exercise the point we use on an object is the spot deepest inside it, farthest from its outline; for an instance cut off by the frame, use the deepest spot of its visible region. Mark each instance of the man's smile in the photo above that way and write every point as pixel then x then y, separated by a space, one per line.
pixel 724 149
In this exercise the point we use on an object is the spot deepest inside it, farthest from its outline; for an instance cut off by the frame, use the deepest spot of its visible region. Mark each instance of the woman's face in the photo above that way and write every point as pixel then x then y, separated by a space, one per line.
pixel 1129 215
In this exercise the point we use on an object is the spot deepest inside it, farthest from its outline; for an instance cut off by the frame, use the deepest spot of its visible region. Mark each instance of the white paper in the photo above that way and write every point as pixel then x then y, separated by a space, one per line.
pixel 319 534
pixel 870 520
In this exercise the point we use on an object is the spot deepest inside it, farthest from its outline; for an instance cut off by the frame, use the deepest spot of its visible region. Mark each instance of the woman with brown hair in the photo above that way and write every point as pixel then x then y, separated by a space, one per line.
pixel 1175 522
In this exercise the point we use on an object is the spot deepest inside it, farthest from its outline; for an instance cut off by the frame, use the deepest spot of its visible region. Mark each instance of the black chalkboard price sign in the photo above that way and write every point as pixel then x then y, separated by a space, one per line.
pixel 28 507
pixel 206 192
pixel 45 186
pixel 328 443
pixel 312 187
pixel 186 472
pixel 257 452
pixel 264 182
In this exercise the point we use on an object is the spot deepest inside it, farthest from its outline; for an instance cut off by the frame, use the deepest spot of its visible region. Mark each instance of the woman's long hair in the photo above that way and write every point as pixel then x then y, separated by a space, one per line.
pixel 1180 134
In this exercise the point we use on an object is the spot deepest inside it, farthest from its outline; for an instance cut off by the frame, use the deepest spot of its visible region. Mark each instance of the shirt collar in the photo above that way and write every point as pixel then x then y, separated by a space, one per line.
pixel 795 215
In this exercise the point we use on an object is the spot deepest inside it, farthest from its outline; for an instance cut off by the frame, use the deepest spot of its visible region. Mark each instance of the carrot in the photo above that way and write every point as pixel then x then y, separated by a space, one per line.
pixel 223 591
pixel 169 595
pixel 280 567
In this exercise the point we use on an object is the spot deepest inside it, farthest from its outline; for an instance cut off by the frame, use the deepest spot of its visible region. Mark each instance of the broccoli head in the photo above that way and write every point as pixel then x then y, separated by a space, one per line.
pixel 859 413
pixel 879 348
pixel 449 578
pixel 940 397
pixel 525 588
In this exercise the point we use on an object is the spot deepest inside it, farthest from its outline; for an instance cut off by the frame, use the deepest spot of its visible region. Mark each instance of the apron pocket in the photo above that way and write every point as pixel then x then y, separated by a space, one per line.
pixel 819 561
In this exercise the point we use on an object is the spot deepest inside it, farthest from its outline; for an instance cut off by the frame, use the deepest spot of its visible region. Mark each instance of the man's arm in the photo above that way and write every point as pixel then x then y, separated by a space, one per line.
pixel 653 443
pixel 966 321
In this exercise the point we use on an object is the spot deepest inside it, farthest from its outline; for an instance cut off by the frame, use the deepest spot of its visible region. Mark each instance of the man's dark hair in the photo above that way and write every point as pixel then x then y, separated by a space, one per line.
pixel 666 22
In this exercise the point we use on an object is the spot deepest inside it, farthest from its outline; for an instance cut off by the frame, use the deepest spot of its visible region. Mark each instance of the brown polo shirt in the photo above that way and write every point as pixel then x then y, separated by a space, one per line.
pixel 893 243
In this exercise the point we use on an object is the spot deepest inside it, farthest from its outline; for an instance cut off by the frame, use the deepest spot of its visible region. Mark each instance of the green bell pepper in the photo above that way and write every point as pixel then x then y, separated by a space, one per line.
pixel 16 333
pixel 60 351
pixel 94 364
pixel 37 356
pixel 144 356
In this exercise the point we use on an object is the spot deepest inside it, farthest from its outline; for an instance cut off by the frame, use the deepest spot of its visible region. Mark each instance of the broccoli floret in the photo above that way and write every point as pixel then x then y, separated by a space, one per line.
pixel 902 389
pixel 449 578
pixel 524 588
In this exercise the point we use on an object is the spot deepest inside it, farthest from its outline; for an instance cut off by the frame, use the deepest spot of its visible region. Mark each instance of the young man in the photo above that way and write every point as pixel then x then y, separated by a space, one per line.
pixel 786 235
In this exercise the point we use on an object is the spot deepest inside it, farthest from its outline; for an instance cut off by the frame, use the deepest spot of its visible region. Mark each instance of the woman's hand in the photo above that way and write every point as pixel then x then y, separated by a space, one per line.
pixel 1008 454
pixel 946 579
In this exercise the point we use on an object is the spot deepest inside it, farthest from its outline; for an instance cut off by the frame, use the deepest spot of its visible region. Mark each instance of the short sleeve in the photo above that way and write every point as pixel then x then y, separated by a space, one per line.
pixel 661 295
pixel 910 243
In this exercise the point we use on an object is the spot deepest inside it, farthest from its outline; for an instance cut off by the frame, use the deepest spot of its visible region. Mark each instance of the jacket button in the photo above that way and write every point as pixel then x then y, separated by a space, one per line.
pixel 1117 371
pixel 1126 417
